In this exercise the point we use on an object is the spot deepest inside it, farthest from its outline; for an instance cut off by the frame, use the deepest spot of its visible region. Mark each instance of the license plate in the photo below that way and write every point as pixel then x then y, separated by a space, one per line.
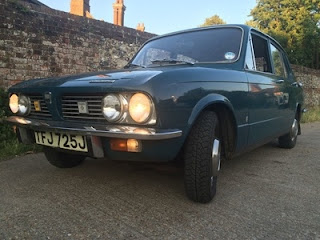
pixel 62 140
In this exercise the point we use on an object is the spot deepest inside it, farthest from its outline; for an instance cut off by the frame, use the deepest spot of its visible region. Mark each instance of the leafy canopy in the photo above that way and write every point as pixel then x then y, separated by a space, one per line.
pixel 295 24
pixel 214 20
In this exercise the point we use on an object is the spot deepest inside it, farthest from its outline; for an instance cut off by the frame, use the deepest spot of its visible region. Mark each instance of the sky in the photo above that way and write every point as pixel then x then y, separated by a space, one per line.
pixel 164 16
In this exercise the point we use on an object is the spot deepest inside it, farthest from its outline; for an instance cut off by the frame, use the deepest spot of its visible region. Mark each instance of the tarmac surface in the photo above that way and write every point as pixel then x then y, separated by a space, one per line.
pixel 269 193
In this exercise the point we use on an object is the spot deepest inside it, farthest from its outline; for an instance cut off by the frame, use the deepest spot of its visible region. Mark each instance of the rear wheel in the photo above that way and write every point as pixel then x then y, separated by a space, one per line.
pixel 202 158
pixel 289 140
pixel 61 159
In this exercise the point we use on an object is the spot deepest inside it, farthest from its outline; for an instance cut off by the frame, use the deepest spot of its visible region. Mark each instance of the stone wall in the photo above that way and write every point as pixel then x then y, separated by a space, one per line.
pixel 37 41
pixel 310 79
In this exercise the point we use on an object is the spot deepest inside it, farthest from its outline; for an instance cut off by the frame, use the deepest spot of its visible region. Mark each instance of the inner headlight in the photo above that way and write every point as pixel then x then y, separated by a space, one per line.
pixel 140 107
pixel 112 107
pixel 14 103
pixel 24 105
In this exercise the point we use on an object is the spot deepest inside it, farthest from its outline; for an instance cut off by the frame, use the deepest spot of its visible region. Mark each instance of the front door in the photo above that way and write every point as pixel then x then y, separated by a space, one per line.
pixel 265 117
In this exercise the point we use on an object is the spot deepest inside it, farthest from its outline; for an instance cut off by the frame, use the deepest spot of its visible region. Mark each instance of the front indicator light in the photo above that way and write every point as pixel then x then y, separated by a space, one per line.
pixel 14 103
pixel 126 145
pixel 140 107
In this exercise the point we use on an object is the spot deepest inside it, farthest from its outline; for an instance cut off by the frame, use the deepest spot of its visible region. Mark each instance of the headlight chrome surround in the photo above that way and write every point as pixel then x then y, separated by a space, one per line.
pixel 125 110
pixel 113 107
pixel 20 104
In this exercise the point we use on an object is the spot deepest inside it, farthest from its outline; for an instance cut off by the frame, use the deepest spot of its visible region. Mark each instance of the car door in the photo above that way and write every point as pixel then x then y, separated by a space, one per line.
pixel 263 117
pixel 283 93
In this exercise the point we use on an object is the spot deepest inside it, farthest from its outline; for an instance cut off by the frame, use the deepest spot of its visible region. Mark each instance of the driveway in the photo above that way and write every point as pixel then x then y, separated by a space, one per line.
pixel 269 193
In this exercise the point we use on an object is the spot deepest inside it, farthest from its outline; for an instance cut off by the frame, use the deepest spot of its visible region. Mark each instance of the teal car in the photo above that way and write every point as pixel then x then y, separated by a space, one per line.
pixel 200 95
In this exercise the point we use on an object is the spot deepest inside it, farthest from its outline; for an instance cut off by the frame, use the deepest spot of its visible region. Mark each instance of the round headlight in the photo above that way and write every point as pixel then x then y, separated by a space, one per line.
pixel 14 103
pixel 112 108
pixel 140 107
pixel 24 105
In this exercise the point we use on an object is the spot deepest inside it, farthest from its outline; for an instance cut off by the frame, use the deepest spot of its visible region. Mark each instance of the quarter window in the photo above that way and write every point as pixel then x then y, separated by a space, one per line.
pixel 249 57
pixel 278 63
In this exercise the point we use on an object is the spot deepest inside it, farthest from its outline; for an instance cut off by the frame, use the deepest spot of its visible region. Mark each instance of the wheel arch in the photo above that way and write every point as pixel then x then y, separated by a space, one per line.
pixel 225 112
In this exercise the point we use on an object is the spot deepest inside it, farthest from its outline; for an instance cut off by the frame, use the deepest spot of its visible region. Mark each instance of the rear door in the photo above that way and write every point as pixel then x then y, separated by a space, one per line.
pixel 283 88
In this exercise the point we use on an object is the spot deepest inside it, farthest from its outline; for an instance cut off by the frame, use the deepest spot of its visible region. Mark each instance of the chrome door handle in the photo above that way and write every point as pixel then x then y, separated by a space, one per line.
pixel 280 81
pixel 297 84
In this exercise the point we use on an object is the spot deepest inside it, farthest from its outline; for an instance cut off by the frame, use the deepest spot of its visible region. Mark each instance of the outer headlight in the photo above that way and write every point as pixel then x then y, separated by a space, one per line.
pixel 14 103
pixel 24 105
pixel 140 107
pixel 20 105
pixel 112 107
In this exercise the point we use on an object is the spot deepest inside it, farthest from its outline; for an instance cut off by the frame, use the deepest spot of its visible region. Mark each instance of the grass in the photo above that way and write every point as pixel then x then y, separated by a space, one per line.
pixel 312 115
pixel 13 148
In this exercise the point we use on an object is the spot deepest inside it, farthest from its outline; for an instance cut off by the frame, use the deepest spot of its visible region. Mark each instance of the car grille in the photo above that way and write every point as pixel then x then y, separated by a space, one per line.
pixel 44 112
pixel 70 109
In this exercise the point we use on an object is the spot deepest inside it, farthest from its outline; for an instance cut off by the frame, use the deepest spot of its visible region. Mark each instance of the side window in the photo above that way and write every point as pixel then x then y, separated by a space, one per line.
pixel 279 68
pixel 261 54
pixel 249 57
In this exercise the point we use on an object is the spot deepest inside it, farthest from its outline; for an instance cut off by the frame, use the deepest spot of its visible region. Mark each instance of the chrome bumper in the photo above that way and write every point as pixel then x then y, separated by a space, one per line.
pixel 114 131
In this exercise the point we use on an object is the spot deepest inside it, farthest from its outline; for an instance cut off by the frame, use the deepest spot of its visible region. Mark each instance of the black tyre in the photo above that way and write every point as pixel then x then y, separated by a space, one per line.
pixel 289 140
pixel 61 159
pixel 202 158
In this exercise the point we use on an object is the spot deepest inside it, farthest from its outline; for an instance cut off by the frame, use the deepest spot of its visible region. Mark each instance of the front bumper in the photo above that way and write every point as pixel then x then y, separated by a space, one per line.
pixel 110 131
pixel 155 142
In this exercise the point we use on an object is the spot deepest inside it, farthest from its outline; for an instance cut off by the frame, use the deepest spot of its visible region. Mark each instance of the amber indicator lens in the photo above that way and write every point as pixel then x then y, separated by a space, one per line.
pixel 126 145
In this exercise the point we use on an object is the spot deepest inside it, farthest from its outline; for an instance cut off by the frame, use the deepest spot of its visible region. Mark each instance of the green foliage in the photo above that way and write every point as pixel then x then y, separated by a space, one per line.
pixel 6 131
pixel 214 20
pixel 19 6
pixel 9 145
pixel 295 24
pixel 312 115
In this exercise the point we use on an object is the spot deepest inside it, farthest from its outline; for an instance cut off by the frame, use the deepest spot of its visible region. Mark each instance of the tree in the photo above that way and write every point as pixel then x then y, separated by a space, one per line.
pixel 214 20
pixel 295 24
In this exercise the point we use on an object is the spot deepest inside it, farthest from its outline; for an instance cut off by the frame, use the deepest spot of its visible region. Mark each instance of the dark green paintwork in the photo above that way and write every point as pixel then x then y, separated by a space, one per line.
pixel 180 92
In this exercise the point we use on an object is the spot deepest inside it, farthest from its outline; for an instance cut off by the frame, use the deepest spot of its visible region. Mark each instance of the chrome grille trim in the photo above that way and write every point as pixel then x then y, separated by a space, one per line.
pixel 44 113
pixel 69 107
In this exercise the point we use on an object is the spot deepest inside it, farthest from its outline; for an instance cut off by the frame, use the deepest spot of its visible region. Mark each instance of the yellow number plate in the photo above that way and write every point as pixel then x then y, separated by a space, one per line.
pixel 62 140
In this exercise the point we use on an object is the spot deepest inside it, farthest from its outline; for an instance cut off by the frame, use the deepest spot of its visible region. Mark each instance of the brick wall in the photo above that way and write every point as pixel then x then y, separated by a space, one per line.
pixel 37 41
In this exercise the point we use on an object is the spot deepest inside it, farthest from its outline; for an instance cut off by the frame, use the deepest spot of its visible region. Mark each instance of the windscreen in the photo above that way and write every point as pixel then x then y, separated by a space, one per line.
pixel 210 45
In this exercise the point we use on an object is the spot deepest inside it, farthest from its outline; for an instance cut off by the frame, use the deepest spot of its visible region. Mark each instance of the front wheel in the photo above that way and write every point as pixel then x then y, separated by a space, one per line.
pixel 61 159
pixel 289 140
pixel 202 158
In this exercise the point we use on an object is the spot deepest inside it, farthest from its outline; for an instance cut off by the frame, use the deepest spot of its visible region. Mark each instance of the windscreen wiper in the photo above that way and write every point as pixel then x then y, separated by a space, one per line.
pixel 171 61
pixel 132 65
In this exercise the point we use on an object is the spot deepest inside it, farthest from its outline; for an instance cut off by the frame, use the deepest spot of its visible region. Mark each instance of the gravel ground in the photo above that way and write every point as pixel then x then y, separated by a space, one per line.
pixel 269 193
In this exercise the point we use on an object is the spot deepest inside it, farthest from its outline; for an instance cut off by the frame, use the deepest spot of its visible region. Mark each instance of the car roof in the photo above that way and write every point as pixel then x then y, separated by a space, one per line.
pixel 242 26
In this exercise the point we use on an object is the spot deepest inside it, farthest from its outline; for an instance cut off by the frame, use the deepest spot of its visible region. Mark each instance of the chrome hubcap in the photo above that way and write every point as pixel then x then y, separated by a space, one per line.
pixel 216 149
pixel 294 129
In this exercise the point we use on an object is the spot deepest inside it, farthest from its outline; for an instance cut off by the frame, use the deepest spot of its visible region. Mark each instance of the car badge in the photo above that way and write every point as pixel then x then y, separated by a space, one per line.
pixel 83 107
pixel 37 106
pixel 48 97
